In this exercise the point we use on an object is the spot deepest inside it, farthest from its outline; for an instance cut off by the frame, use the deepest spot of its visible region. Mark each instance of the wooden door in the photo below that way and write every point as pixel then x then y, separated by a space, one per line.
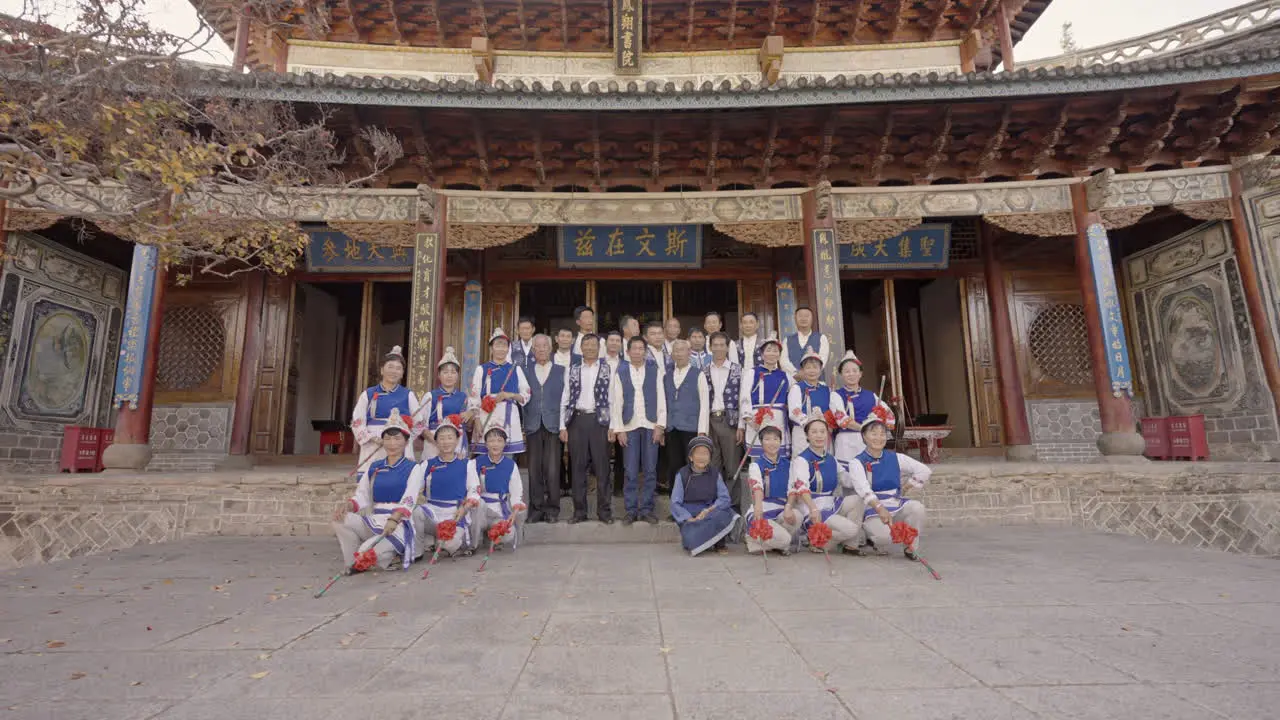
pixel 280 335
pixel 758 296
pixel 499 302
pixel 984 380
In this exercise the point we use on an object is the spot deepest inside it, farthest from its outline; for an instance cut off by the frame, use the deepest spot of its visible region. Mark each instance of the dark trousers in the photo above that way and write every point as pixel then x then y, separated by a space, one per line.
pixel 589 446
pixel 727 455
pixel 544 474
pixel 677 452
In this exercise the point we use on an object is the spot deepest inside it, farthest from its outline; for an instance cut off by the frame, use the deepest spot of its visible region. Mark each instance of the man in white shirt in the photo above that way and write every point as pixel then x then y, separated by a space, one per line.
pixel 629 326
pixel 613 349
pixel 724 386
pixel 657 347
pixel 804 339
pixel 522 348
pixel 584 425
pixel 671 331
pixel 639 410
pixel 688 411
pixel 565 355
pixel 744 350
pixel 585 318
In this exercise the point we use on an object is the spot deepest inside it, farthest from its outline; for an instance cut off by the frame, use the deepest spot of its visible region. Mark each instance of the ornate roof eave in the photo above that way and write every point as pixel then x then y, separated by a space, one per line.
pixel 840 90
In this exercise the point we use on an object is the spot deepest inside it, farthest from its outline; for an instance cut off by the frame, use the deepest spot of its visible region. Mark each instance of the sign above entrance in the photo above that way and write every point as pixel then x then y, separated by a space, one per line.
pixel 925 247
pixel 329 251
pixel 627 34
pixel 634 247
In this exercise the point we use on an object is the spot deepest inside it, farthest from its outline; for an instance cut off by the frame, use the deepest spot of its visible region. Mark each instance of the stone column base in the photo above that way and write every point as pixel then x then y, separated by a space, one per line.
pixel 119 456
pixel 1122 446
pixel 1021 453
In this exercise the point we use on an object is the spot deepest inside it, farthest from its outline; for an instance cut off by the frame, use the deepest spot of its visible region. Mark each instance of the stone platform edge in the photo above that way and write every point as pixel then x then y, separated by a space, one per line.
pixel 1226 506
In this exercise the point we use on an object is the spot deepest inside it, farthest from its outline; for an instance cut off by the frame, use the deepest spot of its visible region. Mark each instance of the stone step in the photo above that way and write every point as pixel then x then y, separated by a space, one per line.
pixel 592 532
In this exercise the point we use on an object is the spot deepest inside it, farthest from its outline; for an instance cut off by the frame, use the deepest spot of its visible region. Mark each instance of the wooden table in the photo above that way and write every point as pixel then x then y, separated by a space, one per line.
pixel 928 438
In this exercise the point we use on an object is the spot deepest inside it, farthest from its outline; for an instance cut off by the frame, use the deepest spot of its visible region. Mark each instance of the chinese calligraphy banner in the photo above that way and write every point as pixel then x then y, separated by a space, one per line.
pixel 925 247
pixel 786 292
pixel 627 34
pixel 137 319
pixel 1104 281
pixel 472 296
pixel 630 246
pixel 332 251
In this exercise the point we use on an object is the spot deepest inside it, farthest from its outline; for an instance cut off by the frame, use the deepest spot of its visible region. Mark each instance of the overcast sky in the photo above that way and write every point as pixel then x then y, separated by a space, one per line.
pixel 1094 22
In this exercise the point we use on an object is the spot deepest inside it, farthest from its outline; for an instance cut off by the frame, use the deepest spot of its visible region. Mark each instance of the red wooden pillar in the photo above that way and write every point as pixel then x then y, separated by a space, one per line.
pixel 247 382
pixel 1013 407
pixel 240 52
pixel 136 371
pixel 1252 290
pixel 1006 36
pixel 822 270
pixel 1119 439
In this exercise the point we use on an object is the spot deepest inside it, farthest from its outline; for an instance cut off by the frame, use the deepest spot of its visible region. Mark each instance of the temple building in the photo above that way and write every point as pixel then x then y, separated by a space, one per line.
pixel 1028 259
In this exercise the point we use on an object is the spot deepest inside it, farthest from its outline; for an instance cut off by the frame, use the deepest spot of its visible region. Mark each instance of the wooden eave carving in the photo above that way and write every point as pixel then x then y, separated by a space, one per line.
pixel 771 52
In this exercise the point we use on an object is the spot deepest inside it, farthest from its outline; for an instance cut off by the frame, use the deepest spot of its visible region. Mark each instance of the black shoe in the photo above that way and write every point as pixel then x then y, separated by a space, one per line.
pixel 851 550
pixel 650 518
pixel 606 520
pixel 576 519
pixel 910 555
pixel 552 519
pixel 535 518
pixel 628 520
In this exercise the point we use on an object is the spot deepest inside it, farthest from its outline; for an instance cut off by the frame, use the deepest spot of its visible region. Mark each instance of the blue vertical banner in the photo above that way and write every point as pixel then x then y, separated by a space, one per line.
pixel 786 292
pixel 471 303
pixel 137 320
pixel 1104 283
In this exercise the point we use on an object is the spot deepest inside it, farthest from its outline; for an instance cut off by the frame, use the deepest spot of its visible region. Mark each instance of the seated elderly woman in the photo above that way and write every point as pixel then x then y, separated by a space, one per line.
pixel 700 501
pixel 373 526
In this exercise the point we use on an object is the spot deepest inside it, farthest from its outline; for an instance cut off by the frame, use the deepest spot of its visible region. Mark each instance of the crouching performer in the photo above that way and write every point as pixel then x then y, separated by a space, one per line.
pixel 700 501
pixel 500 489
pixel 818 481
pixel 878 476
pixel 374 527
pixel 448 493
pixel 768 480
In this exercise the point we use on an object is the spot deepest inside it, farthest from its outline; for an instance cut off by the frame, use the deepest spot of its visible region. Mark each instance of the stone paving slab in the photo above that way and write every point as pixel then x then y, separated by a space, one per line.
pixel 1027 623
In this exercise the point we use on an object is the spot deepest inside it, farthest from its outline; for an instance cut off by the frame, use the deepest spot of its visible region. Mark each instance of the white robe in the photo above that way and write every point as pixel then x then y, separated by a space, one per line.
pixel 506 414
pixel 369 438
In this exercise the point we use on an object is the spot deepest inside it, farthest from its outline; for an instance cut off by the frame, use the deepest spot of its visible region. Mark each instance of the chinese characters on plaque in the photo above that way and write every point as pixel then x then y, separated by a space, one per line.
pixel 627 24
pixel 422 321
pixel 1104 281
pixel 925 247
pixel 630 246
pixel 137 319
pixel 332 251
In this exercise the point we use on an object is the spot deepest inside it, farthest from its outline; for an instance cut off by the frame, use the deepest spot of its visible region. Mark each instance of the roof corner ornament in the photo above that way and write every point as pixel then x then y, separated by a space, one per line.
pixel 1098 189
pixel 426 205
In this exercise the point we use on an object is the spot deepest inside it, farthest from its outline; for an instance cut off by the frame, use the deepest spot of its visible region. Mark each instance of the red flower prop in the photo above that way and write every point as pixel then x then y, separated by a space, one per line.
pixel 832 421
pixel 446 530
pixel 763 414
pixel 365 560
pixel 761 530
pixel 882 414
pixel 488 403
pixel 499 530
pixel 819 535
pixel 454 419
pixel 902 533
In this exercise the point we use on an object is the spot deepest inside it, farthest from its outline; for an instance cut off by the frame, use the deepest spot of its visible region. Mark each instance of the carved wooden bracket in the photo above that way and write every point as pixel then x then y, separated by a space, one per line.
pixel 1259 172
pixel 768 234
pixel 21 220
pixel 1123 217
pixel 482 55
pixel 1053 224
pixel 383 234
pixel 1206 210
pixel 771 52
pixel 822 198
pixel 1097 189
pixel 869 230
pixel 427 202
pixel 478 237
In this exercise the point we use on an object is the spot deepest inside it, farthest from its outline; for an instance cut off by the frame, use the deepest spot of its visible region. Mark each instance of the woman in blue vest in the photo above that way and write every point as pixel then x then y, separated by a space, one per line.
pixel 700 501
pixel 769 481
pixel 860 405
pixel 498 390
pixel 380 402
pixel 447 492
pixel 374 527
pixel 500 489
pixel 808 395
pixel 447 399
pixel 818 481
pixel 878 478
pixel 764 398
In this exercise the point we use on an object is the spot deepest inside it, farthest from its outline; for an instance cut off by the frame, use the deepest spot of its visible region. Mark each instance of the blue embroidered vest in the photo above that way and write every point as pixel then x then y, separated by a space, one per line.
pixel 814 396
pixel 823 471
pixel 447 480
pixel 699 358
pixel 601 390
pixel 765 387
pixel 775 476
pixel 795 351
pixel 444 404
pixel 682 402
pixel 495 478
pixel 884 473
pixel 732 391
pixel 388 482
pixel 742 352
pixel 859 404
pixel 381 407
pixel 649 387
pixel 519 356
pixel 499 378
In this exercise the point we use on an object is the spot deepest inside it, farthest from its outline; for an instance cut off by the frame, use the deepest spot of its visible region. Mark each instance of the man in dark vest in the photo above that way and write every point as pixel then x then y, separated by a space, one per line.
pixel 522 348
pixel 542 421
pixel 585 428
pixel 687 395
pixel 804 339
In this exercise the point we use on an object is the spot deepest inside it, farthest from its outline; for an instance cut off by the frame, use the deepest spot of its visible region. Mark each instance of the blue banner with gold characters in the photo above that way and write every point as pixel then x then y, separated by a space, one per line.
pixel 924 247
pixel 630 246
pixel 1104 282
pixel 333 252
pixel 137 319
pixel 786 292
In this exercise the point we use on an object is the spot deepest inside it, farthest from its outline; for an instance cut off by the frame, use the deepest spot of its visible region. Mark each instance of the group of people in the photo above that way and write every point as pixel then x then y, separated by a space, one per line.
pixel 715 408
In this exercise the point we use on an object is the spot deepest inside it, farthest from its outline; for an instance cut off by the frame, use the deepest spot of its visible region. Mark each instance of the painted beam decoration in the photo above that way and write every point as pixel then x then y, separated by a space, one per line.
pixel 635 247
pixel 334 252
pixel 926 247
pixel 137 318
pixel 786 292
pixel 1104 281
pixel 472 296
pixel 428 258
pixel 627 35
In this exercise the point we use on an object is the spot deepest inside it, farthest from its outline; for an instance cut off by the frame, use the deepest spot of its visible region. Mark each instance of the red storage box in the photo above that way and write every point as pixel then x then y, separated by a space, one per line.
pixel 80 449
pixel 1155 431
pixel 1187 438
pixel 106 436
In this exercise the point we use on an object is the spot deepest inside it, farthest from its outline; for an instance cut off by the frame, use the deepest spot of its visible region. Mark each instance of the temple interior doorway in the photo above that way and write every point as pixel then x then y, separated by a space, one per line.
pixel 642 299
pixel 691 300
pixel 550 304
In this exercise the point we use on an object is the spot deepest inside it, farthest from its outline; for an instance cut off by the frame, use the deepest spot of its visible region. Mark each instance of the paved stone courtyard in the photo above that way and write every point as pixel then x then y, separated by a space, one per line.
pixel 1027 622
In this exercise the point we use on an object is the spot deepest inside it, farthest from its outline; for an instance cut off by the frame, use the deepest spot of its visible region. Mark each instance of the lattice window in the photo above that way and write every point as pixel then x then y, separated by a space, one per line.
pixel 192 343
pixel 964 239
pixel 1059 344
